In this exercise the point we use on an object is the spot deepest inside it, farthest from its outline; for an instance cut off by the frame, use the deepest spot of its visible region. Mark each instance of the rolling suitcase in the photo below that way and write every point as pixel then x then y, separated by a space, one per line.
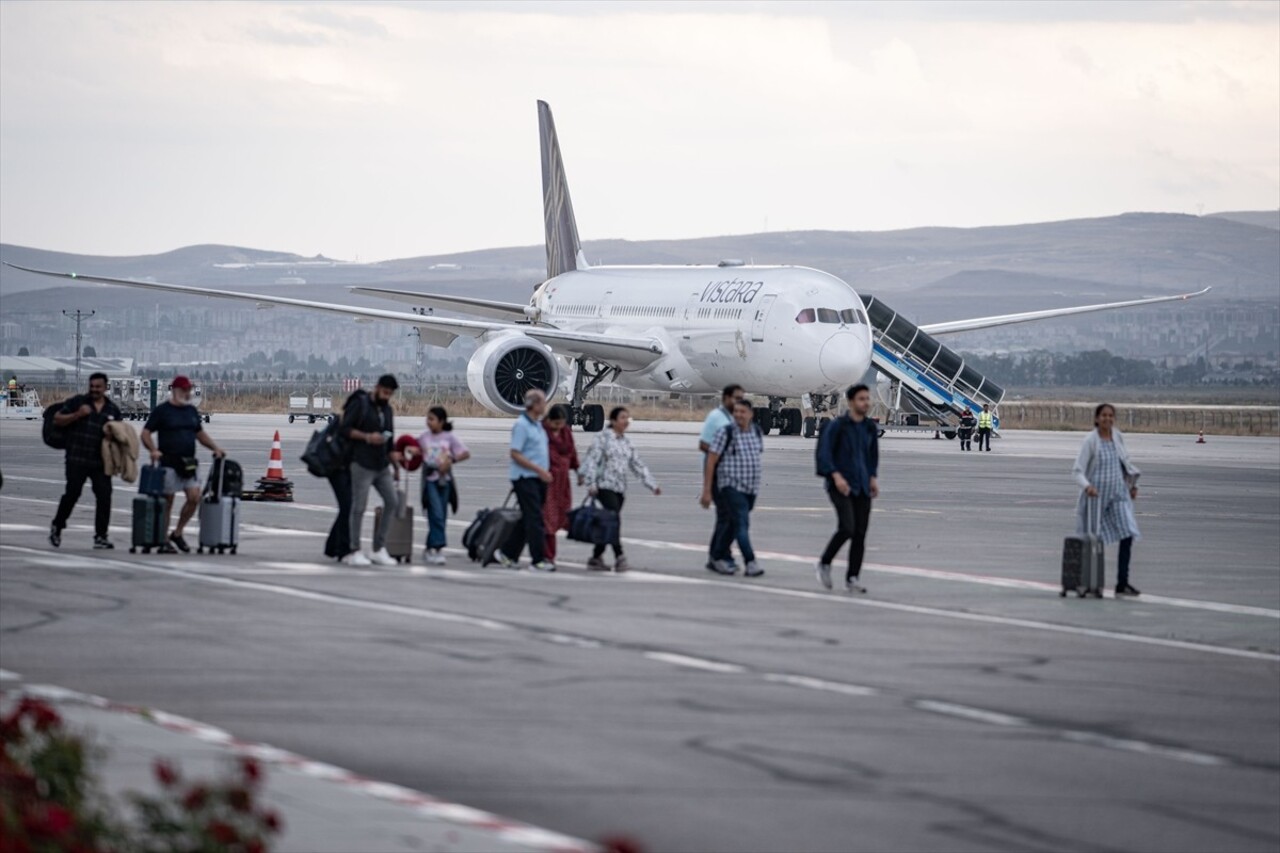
pixel 400 531
pixel 151 480
pixel 491 529
pixel 148 523
pixel 1083 558
pixel 220 509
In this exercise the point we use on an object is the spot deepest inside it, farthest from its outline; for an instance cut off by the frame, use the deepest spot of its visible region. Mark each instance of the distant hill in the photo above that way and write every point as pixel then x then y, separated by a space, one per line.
pixel 1261 218
pixel 1025 266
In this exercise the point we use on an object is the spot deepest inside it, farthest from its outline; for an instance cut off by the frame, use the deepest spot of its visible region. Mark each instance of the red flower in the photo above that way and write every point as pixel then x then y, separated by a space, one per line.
pixel 195 798
pixel 251 770
pixel 238 799
pixel 166 775
pixel 45 718
pixel 271 820
pixel 222 833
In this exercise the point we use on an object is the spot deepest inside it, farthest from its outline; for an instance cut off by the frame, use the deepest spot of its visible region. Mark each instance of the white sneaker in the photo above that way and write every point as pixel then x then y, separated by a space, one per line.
pixel 380 557
pixel 437 558
pixel 356 558
pixel 824 575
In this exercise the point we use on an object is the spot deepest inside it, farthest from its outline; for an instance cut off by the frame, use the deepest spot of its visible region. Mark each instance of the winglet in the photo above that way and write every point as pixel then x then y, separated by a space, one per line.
pixel 564 251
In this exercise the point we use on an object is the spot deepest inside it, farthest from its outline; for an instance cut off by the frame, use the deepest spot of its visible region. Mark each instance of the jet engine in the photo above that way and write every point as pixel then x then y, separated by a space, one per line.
pixel 503 369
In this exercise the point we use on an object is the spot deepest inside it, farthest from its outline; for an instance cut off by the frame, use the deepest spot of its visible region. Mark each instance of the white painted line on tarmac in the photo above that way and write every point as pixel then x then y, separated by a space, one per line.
pixel 819 684
pixel 967 712
pixel 696 663
pixel 6 675
pixel 964 577
pixel 1141 747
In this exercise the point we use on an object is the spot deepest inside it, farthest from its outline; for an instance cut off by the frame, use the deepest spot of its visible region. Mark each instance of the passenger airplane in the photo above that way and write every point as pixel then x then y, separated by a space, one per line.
pixel 784 332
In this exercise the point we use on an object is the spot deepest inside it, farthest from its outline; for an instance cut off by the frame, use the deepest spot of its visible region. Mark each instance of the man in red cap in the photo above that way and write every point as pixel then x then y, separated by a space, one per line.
pixel 177 422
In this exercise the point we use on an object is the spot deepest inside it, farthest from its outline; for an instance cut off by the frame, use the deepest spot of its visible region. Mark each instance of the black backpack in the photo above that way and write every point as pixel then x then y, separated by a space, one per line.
pixel 54 436
pixel 326 452
pixel 835 424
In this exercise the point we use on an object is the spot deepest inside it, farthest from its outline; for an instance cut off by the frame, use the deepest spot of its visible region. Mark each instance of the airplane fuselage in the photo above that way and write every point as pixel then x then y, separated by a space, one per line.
pixel 781 331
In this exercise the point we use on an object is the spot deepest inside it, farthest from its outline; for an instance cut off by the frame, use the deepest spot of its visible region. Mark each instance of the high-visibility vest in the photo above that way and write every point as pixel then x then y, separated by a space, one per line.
pixel 984 420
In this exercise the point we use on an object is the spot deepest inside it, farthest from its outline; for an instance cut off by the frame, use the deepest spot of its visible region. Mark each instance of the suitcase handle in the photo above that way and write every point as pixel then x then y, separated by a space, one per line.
pixel 1093 515
pixel 213 489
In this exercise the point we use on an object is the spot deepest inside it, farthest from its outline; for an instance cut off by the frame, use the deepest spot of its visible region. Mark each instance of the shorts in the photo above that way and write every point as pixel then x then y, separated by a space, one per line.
pixel 175 482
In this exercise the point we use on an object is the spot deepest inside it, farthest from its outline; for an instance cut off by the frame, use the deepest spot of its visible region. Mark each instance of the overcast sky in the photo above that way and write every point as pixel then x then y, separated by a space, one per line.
pixel 384 130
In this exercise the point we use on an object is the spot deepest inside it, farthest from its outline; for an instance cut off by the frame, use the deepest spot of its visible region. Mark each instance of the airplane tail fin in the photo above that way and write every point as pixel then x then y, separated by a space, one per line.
pixel 564 251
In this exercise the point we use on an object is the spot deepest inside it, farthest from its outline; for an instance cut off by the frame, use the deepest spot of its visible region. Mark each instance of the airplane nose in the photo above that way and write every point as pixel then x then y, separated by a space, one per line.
pixel 843 358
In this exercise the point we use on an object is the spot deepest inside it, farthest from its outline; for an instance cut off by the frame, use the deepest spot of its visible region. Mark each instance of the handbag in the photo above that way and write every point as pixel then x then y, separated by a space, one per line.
pixel 326 452
pixel 592 523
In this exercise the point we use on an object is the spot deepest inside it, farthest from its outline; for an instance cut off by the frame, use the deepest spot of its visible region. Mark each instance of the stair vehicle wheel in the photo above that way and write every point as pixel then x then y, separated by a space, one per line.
pixel 311 419
pixel 950 434
pixel 290 418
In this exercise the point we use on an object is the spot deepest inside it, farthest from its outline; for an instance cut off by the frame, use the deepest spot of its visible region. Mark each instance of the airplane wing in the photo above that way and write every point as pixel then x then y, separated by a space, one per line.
pixel 509 311
pixel 627 353
pixel 1027 316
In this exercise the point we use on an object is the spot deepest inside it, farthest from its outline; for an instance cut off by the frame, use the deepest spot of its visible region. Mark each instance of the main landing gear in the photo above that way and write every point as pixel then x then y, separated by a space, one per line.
pixel 586 376
pixel 823 406
pixel 774 416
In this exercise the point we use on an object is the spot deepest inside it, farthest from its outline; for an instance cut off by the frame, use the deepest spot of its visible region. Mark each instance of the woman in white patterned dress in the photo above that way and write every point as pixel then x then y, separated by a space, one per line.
pixel 1105 472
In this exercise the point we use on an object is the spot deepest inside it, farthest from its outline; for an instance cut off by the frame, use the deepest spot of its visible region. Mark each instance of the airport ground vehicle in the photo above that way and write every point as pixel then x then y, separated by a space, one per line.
pixel 21 405
pixel 313 407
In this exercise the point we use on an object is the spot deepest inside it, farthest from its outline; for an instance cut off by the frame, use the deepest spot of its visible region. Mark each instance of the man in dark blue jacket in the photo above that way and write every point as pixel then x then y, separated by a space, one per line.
pixel 848 458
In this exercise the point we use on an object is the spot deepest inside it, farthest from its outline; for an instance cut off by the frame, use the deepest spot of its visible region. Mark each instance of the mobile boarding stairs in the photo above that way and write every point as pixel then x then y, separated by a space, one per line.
pixel 930 386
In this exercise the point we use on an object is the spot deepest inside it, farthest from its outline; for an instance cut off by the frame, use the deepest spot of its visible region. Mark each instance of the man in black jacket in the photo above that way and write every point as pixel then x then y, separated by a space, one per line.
pixel 849 459
pixel 81 419
pixel 368 425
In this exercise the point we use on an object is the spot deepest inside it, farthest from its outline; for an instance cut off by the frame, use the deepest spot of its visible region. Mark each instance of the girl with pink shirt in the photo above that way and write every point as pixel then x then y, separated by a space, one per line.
pixel 441 450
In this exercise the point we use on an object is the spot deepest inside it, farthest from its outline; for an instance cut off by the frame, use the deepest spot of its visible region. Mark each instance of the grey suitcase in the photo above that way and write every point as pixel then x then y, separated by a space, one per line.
pixel 400 531
pixel 219 514
pixel 1083 557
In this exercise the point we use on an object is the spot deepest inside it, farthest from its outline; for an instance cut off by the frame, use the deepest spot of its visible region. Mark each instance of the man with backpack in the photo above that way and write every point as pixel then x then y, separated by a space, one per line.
pixel 78 425
pixel 848 457
pixel 732 475
pixel 368 425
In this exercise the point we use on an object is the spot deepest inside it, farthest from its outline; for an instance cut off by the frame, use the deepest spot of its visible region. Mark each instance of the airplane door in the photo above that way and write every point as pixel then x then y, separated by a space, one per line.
pixel 762 312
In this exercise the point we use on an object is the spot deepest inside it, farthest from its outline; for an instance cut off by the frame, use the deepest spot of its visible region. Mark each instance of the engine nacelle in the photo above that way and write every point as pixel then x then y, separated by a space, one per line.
pixel 503 369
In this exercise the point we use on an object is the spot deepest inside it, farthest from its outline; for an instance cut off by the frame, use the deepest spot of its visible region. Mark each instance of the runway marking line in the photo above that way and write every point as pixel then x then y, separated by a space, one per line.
pixel 885 568
pixel 1142 747
pixel 695 663
pixel 510 831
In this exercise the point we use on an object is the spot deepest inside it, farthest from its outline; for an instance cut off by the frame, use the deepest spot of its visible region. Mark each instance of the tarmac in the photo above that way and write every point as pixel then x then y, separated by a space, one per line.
pixel 960 705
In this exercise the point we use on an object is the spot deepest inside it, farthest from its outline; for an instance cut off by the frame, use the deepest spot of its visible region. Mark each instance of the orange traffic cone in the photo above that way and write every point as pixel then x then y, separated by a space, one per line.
pixel 274 486
pixel 1201 440
pixel 275 466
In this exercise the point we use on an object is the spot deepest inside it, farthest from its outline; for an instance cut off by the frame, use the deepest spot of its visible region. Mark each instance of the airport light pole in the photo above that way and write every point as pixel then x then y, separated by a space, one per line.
pixel 79 317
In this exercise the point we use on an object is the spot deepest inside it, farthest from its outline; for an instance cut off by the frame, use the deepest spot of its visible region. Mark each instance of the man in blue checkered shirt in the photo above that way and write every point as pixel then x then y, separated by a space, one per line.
pixel 733 469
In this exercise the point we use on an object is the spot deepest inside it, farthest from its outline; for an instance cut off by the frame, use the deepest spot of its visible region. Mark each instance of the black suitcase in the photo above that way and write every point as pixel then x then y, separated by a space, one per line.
pixel 1083 557
pixel 492 529
pixel 220 508
pixel 148 523
pixel 400 531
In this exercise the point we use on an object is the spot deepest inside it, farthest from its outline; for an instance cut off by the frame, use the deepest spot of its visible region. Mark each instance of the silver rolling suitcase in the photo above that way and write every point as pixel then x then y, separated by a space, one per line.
pixel 400 530
pixel 219 512
pixel 1083 558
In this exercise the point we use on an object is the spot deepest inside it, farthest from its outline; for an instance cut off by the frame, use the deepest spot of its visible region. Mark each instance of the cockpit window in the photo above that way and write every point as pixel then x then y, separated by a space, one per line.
pixel 851 317
pixel 806 316
pixel 828 315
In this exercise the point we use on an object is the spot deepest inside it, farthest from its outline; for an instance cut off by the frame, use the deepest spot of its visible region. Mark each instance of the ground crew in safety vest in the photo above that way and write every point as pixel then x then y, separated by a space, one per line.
pixel 13 389
pixel 985 421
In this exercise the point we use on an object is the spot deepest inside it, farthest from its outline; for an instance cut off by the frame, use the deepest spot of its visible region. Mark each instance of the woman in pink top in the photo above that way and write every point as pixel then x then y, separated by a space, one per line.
pixel 441 450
